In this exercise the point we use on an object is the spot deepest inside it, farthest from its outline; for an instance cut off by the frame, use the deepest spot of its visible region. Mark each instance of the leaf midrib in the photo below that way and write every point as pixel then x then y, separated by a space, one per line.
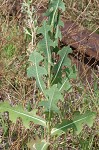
pixel 60 64
pixel 29 116
pixel 55 130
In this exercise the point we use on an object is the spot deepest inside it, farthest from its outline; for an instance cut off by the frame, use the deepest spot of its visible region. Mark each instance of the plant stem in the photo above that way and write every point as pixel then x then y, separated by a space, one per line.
pixel 49 122
pixel 48 85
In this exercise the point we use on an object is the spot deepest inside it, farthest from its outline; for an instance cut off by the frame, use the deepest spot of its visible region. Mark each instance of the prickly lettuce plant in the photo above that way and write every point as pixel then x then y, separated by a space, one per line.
pixel 53 76
pixel 51 67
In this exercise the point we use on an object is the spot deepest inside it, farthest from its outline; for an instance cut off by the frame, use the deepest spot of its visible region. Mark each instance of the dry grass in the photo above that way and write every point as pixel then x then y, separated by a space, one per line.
pixel 84 12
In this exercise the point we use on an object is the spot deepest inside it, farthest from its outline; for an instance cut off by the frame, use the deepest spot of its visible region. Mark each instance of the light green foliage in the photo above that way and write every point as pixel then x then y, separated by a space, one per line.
pixel 54 18
pixel 58 74
pixel 37 71
pixel 65 85
pixel 80 119
pixel 76 124
pixel 47 73
pixel 17 111
pixel 54 6
pixel 64 61
pixel 58 32
pixel 45 44
pixel 53 96
pixel 69 71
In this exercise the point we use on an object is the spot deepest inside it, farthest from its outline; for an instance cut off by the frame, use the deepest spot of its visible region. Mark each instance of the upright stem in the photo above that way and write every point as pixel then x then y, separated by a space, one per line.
pixel 48 84
pixel 49 72
pixel 49 121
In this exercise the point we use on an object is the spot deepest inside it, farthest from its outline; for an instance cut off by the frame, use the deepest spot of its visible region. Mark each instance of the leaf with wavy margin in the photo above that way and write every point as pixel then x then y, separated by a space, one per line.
pixel 76 124
pixel 64 61
pixel 45 44
pixel 53 8
pixel 37 71
pixel 17 111
pixel 53 96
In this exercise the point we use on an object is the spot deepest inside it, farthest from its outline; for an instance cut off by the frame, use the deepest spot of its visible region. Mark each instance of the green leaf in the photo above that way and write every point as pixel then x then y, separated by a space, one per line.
pixel 17 111
pixel 44 47
pixel 54 6
pixel 53 96
pixel 58 4
pixel 45 44
pixel 58 31
pixel 64 61
pixel 65 85
pixel 43 145
pixel 63 53
pixel 36 71
pixel 76 124
pixel 80 119
pixel 63 127
pixel 71 72
pixel 44 29
pixel 59 23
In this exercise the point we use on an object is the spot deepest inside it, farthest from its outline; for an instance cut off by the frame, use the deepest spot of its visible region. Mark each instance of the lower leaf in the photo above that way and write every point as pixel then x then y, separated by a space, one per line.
pixel 76 124
pixel 15 112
